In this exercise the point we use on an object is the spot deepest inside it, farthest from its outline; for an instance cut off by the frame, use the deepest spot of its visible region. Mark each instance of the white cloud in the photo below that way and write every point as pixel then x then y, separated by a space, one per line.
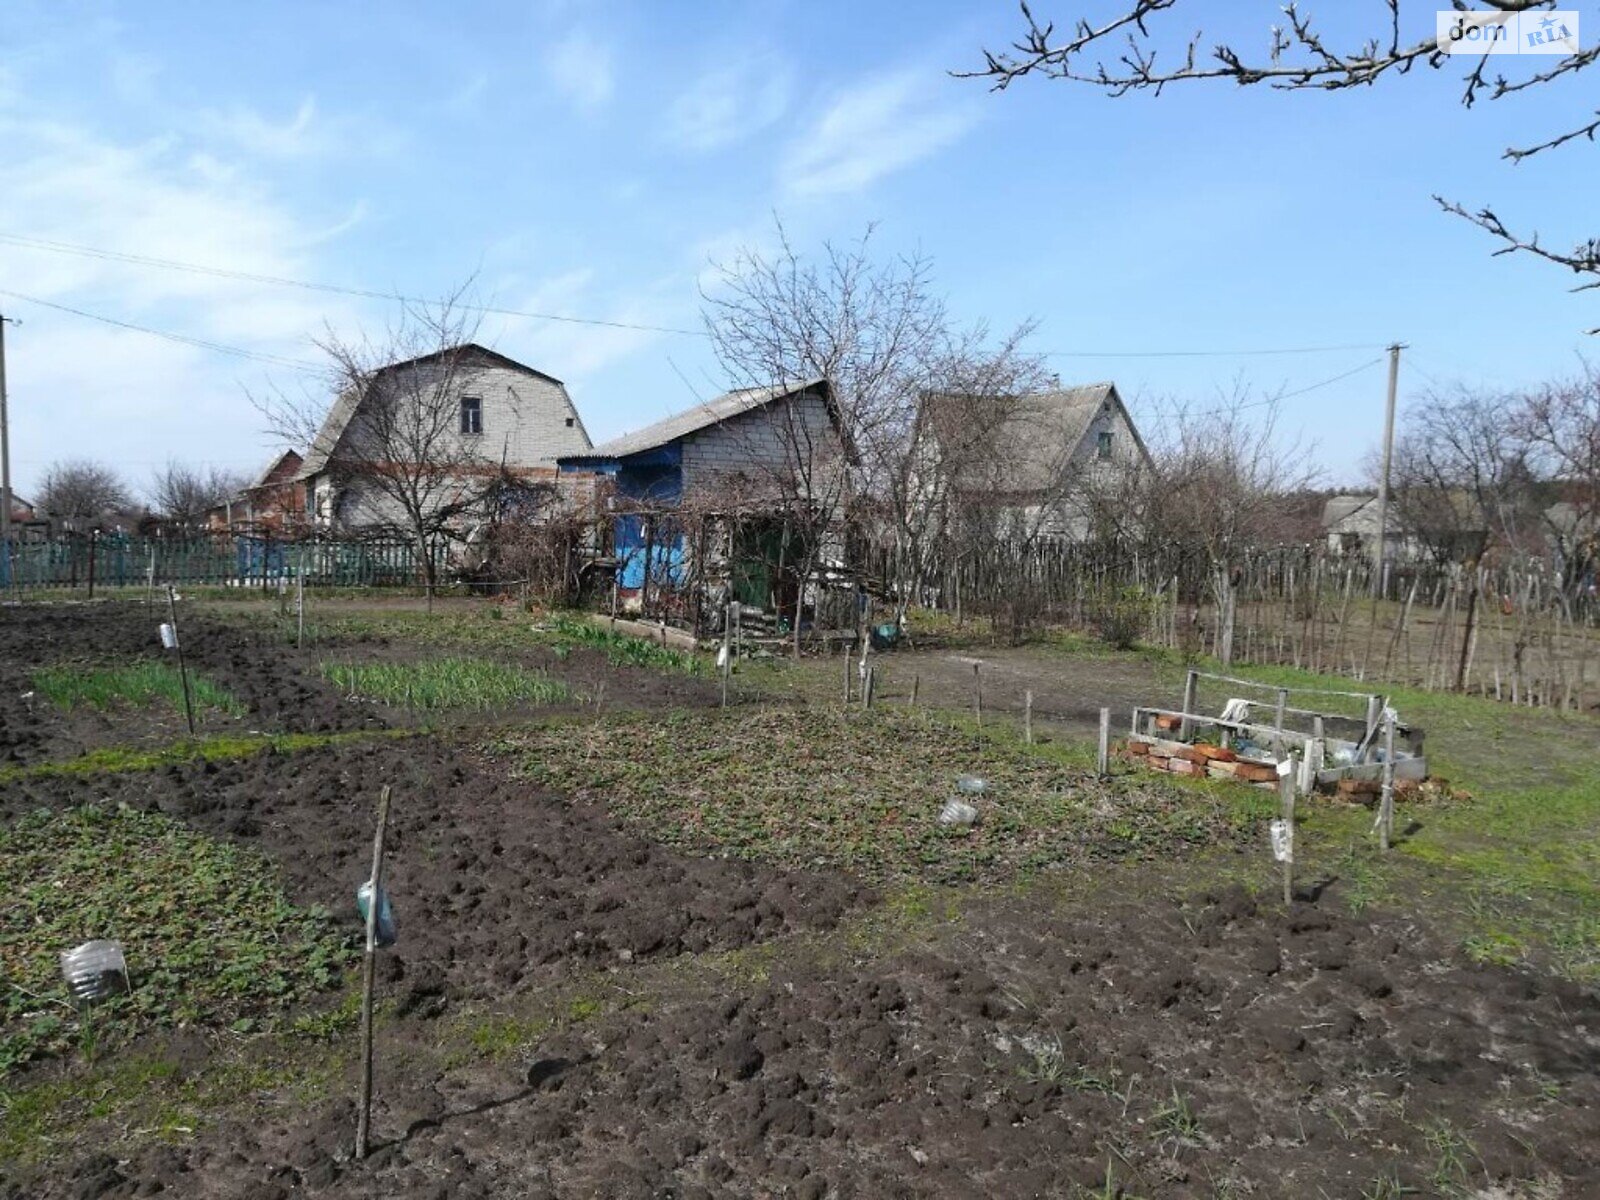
pixel 580 68
pixel 871 131
pixel 85 389
pixel 304 134
pixel 729 105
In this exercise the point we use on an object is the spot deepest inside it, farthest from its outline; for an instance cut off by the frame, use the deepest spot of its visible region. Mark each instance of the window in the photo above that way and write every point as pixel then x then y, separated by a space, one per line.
pixel 569 422
pixel 1103 444
pixel 472 414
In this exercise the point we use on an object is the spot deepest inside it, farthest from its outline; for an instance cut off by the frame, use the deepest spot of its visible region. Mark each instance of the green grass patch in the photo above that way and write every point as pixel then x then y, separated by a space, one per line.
pixel 139 684
pixel 447 683
pixel 210 937
pixel 863 792
pixel 620 649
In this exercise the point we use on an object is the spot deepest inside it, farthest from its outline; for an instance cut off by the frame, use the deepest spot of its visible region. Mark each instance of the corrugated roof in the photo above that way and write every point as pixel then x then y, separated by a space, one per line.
pixel 690 420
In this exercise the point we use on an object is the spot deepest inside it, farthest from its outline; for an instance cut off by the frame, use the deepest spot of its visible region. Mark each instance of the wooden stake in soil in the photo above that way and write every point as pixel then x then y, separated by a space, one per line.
pixel 977 694
pixel 368 973
pixel 916 686
pixel 177 644
pixel 868 685
pixel 847 665
pixel 1386 799
pixel 1027 717
pixel 1103 761
pixel 1286 791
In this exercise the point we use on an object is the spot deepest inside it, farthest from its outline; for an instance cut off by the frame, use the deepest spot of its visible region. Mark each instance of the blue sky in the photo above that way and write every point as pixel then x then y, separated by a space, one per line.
pixel 594 160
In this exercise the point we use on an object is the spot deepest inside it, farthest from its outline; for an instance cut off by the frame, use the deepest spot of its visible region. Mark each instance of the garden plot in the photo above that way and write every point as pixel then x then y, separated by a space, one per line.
pixel 1137 1043
pixel 76 678
pixel 495 882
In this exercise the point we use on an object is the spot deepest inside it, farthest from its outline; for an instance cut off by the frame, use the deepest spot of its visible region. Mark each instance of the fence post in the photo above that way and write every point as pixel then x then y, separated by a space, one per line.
pixel 1190 683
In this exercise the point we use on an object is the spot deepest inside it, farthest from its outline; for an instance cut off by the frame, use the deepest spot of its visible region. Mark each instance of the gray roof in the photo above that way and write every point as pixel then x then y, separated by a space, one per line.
pixel 1342 508
pixel 1030 440
pixel 690 420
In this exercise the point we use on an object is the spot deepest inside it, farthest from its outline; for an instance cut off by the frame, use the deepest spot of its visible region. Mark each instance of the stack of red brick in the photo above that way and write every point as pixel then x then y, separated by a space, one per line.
pixel 1180 758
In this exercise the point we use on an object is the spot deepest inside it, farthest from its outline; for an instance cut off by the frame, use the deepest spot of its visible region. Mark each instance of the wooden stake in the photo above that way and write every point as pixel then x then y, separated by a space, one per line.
pixel 1386 802
pixel 1104 760
pixel 977 694
pixel 368 974
pixel 916 686
pixel 1190 683
pixel 867 686
pixel 183 671
pixel 1286 791
pixel 1027 717
pixel 848 663
pixel 300 603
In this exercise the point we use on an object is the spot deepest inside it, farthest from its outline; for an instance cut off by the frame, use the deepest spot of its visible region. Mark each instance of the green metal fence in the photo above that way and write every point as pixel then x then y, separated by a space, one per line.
pixel 118 560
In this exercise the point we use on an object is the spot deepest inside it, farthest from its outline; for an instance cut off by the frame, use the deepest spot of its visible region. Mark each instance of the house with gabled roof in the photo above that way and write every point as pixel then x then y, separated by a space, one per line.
pixel 503 416
pixel 1038 462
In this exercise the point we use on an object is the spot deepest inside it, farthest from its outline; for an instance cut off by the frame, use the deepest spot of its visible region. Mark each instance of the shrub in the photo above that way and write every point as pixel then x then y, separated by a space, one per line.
pixel 1121 615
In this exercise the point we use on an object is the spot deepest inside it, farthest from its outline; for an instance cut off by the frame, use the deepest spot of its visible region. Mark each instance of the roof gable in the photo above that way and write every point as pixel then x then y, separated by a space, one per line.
pixel 724 408
pixel 1030 439
pixel 345 405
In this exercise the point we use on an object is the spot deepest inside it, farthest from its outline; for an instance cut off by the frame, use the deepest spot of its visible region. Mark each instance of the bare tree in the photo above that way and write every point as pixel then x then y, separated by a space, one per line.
pixel 879 342
pixel 1560 425
pixel 394 439
pixel 1461 474
pixel 81 488
pixel 1221 477
pixel 182 494
pixel 1121 54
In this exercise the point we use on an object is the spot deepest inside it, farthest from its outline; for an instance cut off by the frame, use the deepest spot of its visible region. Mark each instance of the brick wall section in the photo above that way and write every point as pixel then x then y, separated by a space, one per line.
pixel 760 444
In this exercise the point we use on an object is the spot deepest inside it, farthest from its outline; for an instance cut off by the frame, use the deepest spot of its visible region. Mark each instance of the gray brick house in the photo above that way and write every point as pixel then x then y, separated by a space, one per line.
pixel 498 415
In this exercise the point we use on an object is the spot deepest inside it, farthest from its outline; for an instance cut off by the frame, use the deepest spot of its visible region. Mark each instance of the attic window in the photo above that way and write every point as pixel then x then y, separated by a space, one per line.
pixel 1102 447
pixel 569 422
pixel 472 414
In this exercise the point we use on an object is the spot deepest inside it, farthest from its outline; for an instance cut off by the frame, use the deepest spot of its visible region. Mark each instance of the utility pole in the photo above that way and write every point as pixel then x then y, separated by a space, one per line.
pixel 1382 556
pixel 5 467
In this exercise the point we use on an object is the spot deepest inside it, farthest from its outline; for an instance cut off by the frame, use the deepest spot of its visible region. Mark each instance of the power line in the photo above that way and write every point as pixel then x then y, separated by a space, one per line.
pixel 182 338
pixel 1209 353
pixel 1217 412
pixel 170 264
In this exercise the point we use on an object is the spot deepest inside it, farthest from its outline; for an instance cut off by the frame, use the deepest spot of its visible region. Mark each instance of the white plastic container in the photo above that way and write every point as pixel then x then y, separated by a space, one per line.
pixel 169 637
pixel 95 970
pixel 958 814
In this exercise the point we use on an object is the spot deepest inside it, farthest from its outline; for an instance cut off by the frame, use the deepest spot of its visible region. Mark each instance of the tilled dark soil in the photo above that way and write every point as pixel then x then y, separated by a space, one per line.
pixel 280 696
pixel 1201 1049
pixel 280 687
pixel 492 880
